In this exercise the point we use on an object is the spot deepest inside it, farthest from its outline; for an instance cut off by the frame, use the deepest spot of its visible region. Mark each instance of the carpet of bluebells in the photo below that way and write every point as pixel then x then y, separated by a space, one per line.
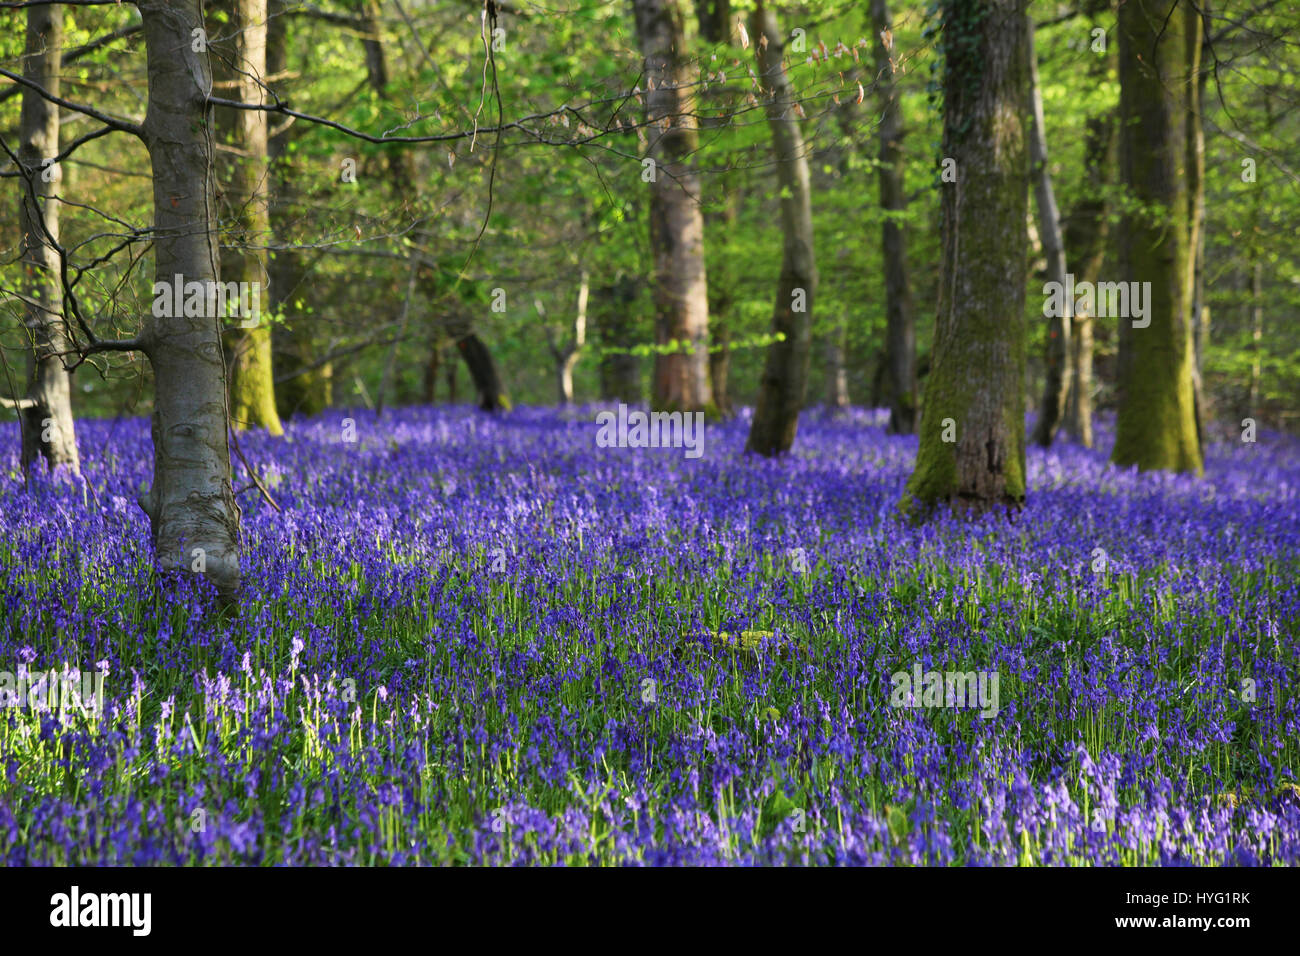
pixel 469 639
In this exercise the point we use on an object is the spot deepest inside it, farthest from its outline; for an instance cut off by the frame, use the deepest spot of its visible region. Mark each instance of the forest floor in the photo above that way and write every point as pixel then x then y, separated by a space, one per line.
pixel 475 639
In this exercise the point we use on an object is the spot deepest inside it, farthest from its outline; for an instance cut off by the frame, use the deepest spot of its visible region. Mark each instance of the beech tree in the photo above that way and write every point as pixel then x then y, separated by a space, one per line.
pixel 48 429
pixel 1159 56
pixel 681 367
pixel 239 54
pixel 972 450
pixel 1087 229
pixel 785 373
pixel 900 323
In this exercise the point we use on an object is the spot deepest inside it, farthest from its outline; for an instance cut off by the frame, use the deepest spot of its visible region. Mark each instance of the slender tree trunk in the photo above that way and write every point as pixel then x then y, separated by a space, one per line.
pixel 714 18
pixel 1196 214
pixel 721 286
pixel 900 335
pixel 458 327
pixel 785 372
pixel 191 504
pixel 1086 233
pixel 1056 387
pixel 837 376
pixel 972 451
pixel 48 430
pixel 835 345
pixel 681 377
pixel 566 356
pixel 293 346
pixel 239 47
pixel 620 371
pixel 1160 43
pixel 430 392
pixel 487 382
pixel 1256 336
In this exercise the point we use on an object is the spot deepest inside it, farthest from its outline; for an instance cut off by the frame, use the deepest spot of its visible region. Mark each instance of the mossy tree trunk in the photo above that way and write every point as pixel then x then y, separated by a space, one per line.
pixel 972 449
pixel 900 324
pixel 48 430
pixel 1159 52
pixel 785 371
pixel 302 387
pixel 239 48
pixel 681 373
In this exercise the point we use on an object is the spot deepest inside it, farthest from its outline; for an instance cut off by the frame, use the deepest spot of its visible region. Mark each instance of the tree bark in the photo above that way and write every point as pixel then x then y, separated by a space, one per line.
pixel 620 370
pixel 837 376
pixel 715 19
pixel 721 298
pixel 487 382
pixel 1086 232
pixel 293 346
pixel 900 334
pixel 681 369
pixel 1196 214
pixel 566 356
pixel 191 503
pixel 239 47
pixel 1254 396
pixel 1160 44
pixel 785 372
pixel 1056 386
pixel 48 428
pixel 975 394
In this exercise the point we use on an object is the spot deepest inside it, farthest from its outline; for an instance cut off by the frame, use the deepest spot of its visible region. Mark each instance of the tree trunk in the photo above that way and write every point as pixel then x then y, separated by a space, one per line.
pixel 239 45
pixel 900 335
pixel 1256 336
pixel 785 372
pixel 1086 232
pixel 293 346
pixel 720 368
pixel 566 356
pixel 837 376
pixel 975 394
pixel 620 370
pixel 48 429
pixel 1160 44
pixel 1196 214
pixel 681 372
pixel 721 297
pixel 487 383
pixel 191 503
pixel 715 19
pixel 1056 386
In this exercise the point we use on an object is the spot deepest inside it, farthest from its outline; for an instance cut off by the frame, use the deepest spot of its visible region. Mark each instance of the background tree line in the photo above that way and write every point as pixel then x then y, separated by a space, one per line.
pixel 696 207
